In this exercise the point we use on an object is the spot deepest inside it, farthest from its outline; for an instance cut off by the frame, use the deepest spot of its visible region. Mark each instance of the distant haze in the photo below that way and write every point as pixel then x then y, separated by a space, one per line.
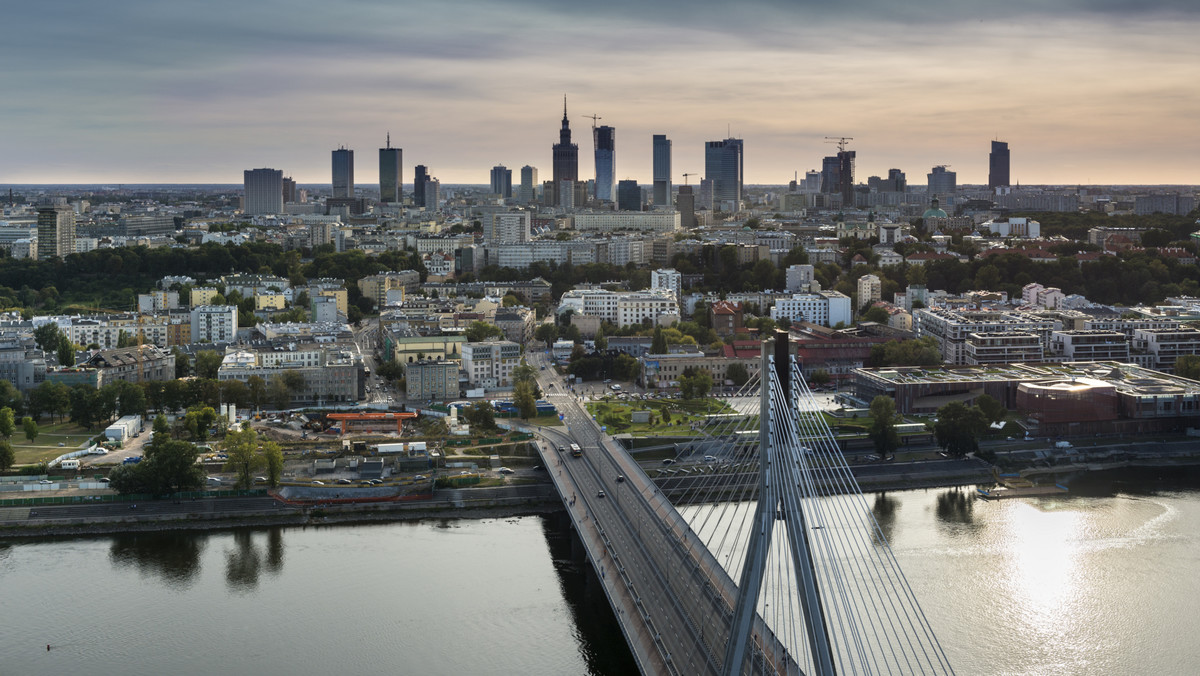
pixel 1085 91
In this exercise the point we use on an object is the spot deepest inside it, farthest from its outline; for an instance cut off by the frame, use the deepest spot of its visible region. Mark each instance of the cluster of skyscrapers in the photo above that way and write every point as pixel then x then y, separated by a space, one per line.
pixel 720 188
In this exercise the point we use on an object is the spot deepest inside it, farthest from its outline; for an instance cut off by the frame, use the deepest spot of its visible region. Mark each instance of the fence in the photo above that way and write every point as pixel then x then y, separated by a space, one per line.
pixel 139 497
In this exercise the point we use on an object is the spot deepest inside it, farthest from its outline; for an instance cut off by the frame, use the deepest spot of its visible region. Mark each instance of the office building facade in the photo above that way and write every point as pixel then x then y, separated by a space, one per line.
pixel 942 182
pixel 343 173
pixel 263 191
pixel 998 165
pixel 391 173
pixel 723 162
pixel 662 171
pixel 55 231
pixel 606 159
pixel 502 181
pixel 420 176
pixel 529 182
pixel 629 196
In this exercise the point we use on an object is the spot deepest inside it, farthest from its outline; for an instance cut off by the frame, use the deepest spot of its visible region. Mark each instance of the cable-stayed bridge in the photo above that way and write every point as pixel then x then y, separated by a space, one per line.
pixel 766 560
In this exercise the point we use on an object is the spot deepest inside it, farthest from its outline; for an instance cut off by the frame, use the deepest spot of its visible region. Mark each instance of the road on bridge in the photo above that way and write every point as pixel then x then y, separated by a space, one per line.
pixel 682 595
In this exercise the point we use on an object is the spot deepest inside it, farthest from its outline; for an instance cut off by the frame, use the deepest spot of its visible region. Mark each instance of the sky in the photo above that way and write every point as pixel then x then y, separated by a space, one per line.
pixel 191 91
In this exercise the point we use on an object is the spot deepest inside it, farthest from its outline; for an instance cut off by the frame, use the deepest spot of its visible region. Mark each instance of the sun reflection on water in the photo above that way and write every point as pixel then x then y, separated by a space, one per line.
pixel 1042 580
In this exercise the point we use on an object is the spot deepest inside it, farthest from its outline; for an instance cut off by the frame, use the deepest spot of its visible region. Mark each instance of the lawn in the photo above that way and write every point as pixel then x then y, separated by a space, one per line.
pixel 617 415
pixel 46 447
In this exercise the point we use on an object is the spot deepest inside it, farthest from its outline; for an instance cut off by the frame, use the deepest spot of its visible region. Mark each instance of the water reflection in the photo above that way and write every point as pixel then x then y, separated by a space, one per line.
pixel 175 557
pixel 245 561
pixel 956 506
pixel 601 643
pixel 884 510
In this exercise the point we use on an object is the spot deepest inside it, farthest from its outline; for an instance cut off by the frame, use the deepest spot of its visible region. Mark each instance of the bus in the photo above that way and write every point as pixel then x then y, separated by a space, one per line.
pixel 576 451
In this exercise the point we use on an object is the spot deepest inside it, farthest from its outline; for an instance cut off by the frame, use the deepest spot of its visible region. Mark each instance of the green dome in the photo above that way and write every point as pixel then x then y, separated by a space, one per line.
pixel 934 211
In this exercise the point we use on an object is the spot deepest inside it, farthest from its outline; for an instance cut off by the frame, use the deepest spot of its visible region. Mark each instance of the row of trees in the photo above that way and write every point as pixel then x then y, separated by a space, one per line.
pixel 957 428
pixel 169 465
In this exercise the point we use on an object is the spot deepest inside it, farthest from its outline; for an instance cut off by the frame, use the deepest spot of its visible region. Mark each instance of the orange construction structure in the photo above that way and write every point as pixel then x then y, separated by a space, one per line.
pixel 371 422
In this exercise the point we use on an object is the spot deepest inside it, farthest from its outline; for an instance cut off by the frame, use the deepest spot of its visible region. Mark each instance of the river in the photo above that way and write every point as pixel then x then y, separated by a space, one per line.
pixel 1102 582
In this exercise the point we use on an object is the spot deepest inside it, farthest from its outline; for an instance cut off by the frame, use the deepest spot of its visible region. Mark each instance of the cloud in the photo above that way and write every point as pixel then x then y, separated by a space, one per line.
pixel 201 90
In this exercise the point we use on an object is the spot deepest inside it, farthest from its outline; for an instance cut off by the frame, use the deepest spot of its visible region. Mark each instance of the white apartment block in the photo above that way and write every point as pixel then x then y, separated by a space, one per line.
pixel 520 256
pixel 490 364
pixel 1167 345
pixel 800 278
pixel 1090 345
pixel 158 301
pixel 952 328
pixel 1035 294
pixel 870 289
pixel 667 279
pixel 107 333
pixel 1010 347
pixel 214 323
pixel 640 221
pixel 506 228
pixel 622 308
pixel 827 308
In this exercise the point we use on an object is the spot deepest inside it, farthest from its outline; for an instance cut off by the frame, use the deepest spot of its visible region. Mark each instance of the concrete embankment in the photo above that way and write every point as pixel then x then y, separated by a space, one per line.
pixel 488 503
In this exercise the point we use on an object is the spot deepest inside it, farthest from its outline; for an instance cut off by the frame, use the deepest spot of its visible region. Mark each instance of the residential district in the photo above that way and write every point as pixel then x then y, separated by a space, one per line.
pixel 379 338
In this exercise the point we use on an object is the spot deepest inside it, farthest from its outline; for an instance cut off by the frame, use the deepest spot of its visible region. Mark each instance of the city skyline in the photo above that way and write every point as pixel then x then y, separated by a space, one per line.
pixel 1089 92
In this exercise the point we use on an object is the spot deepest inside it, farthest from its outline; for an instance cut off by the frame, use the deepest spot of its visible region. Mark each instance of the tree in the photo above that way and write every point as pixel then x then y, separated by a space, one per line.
pixel 257 391
pixel 31 429
pixel 525 399
pixel 883 426
pixel 601 340
pixel 480 415
pixel 958 428
pixel 7 456
pixel 919 352
pixel 207 363
pixel 294 381
pixel 170 466
pixel 8 423
pixel 273 456
pixel 66 351
pixel 547 333
pixel 1188 366
pixel 480 331
pixel 278 393
pixel 695 385
pixel 820 377
pixel 737 373
pixel 659 344
pixel 183 367
pixel 992 409
pixel 48 337
pixel 241 447
pixel 875 314
pixel 528 375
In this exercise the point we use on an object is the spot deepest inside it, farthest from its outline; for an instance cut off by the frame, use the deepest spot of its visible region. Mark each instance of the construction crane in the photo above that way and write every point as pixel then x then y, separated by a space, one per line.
pixel 685 178
pixel 840 141
pixel 594 118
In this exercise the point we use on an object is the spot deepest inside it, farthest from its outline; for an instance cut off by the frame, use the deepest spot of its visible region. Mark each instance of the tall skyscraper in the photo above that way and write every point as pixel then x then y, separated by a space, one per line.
pixel 998 165
pixel 723 165
pixel 420 177
pixel 343 173
pixel 502 181
pixel 289 190
pixel 846 176
pixel 263 191
pixel 391 173
pixel 529 181
pixel 942 182
pixel 662 171
pixel 56 231
pixel 606 160
pixel 566 158
pixel 629 196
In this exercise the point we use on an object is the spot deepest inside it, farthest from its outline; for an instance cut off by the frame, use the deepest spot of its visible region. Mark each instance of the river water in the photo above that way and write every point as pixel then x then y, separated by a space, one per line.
pixel 1103 582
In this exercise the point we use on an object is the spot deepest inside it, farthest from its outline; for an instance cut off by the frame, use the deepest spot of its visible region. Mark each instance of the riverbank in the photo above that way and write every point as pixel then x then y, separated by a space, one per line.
pixel 478 503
